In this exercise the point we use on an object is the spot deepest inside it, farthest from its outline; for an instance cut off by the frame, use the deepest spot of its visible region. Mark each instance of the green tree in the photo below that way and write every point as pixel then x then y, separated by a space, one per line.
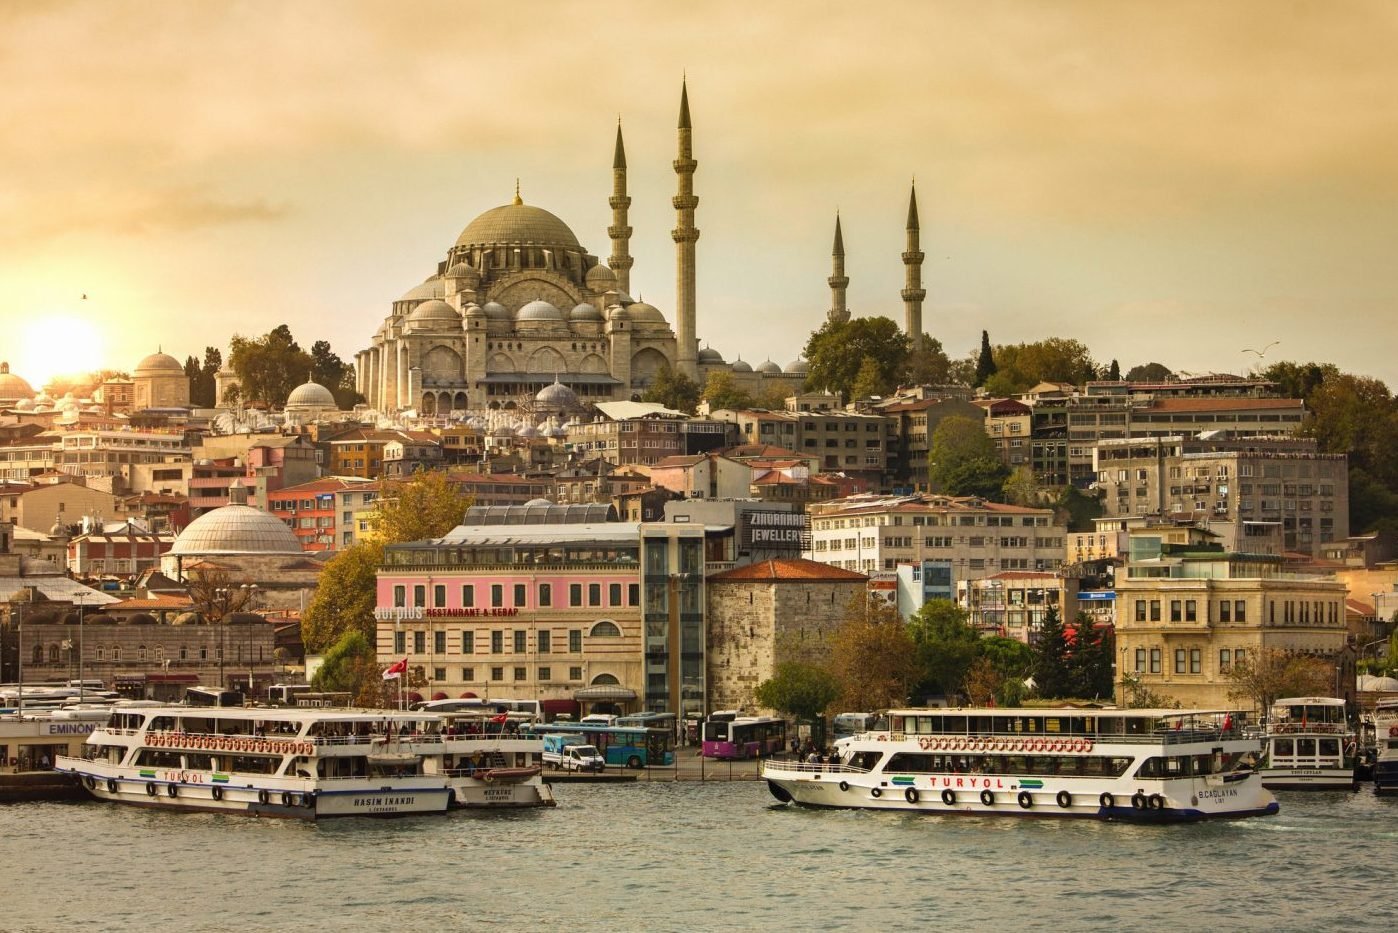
pixel 1267 675
pixel 927 363
pixel 338 671
pixel 1022 488
pixel 1298 380
pixel 1052 676
pixel 1149 372
pixel 868 382
pixel 803 691
pixel 335 374
pixel 673 390
pixel 873 657
pixel 1057 359
pixel 985 362
pixel 946 645
pixel 1136 695
pixel 1090 663
pixel 962 460
pixel 270 366
pixel 344 598
pixel 1077 508
pixel 425 505
pixel 983 683
pixel 1113 373
pixel 201 377
pixel 721 391
pixel 838 350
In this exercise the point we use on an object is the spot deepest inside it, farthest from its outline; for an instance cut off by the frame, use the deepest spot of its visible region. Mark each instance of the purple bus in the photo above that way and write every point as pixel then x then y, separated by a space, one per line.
pixel 743 737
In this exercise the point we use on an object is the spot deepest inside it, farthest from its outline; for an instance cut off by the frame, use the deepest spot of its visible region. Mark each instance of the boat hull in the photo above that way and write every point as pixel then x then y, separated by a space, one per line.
pixel 1386 776
pixel 471 794
pixel 1008 796
pixel 1334 778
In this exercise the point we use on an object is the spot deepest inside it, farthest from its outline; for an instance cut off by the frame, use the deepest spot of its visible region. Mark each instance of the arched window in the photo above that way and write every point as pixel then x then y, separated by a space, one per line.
pixel 605 680
pixel 116 652
pixel 38 654
pixel 53 654
pixel 100 653
pixel 160 652
pixel 605 629
pixel 141 652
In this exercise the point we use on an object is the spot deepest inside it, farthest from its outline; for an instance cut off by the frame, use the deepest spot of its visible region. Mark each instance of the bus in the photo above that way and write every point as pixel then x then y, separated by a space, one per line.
pixel 743 737
pixel 664 721
pixel 632 746
pixel 845 725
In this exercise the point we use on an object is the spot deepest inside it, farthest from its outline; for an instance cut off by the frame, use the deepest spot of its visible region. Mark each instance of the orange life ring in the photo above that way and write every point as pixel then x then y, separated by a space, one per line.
pixel 883 738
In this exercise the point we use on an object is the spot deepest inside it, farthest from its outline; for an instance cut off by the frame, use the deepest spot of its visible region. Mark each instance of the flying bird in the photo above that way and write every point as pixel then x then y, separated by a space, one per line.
pixel 84 298
pixel 1263 352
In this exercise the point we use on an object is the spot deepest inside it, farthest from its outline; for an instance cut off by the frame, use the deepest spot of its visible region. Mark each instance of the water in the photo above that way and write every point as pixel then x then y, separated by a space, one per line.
pixel 694 856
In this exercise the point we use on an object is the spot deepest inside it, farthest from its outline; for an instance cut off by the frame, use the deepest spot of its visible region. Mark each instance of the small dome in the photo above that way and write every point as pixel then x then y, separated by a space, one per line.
pixel 236 529
pixel 798 367
pixel 12 386
pixel 539 310
pixel 557 396
pixel 767 366
pixel 600 279
pixel 640 311
pixel 497 312
pixel 24 404
pixel 584 312
pixel 474 310
pixel 528 431
pixel 159 364
pixel 618 313
pixel 710 355
pixel 311 395
pixel 741 367
pixel 466 272
pixel 432 288
pixel 433 314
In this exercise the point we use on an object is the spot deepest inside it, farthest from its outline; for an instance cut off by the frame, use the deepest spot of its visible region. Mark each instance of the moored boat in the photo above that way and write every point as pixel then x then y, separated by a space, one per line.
pixel 491 762
pixel 1308 744
pixel 295 763
pixel 1114 764
pixel 1386 741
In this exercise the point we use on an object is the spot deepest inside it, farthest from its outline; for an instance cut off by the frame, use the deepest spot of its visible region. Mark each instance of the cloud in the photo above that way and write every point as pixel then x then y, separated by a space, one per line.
pixel 93 213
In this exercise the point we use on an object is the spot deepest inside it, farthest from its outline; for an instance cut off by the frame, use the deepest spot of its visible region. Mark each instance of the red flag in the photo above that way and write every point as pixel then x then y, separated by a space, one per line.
pixel 502 718
pixel 396 670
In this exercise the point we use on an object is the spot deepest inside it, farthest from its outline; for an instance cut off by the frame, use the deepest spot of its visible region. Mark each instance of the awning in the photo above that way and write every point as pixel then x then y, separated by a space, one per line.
pixel 608 693
pixel 439 695
pixel 554 707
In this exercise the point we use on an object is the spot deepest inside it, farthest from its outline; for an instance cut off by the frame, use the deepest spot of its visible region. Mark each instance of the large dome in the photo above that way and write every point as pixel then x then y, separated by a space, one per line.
pixel 434 314
pixel 12 386
pixel 159 364
pixel 236 529
pixel 310 395
pixel 512 224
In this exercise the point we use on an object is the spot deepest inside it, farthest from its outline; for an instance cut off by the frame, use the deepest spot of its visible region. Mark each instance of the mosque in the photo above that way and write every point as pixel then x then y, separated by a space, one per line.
pixel 519 306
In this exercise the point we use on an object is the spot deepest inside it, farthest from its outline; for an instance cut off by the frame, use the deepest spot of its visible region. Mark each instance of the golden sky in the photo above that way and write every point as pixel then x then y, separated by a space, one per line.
pixel 1169 181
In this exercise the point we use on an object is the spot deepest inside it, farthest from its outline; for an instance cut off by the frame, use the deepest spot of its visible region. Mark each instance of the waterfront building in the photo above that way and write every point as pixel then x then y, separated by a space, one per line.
pixel 1013 603
pixel 1188 609
pixel 771 612
pixel 1249 490
pixel 321 513
pixel 741 531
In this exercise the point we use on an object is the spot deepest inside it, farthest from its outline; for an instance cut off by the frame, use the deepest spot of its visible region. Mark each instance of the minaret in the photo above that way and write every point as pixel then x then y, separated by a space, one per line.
pixel 913 292
pixel 620 260
pixel 685 234
pixel 838 314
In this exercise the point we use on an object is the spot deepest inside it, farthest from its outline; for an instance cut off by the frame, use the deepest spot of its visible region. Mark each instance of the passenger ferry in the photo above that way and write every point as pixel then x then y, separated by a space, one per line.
pixel 1386 737
pixel 1115 764
pixel 491 761
pixel 295 763
pixel 1309 744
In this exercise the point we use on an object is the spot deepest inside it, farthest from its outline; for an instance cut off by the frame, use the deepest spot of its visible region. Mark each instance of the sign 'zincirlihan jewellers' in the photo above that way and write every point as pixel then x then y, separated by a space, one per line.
pixel 775 528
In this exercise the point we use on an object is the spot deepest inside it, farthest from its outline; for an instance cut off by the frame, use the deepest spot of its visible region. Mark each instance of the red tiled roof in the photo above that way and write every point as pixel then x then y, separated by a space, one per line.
pixel 153 602
pixel 762 450
pixel 789 570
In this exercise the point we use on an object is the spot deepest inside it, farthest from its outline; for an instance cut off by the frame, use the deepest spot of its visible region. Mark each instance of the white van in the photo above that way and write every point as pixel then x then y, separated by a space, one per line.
pixel 572 753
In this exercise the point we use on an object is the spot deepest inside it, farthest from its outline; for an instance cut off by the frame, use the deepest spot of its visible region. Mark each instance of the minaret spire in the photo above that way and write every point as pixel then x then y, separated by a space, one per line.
pixel 685 235
pixel 838 314
pixel 913 292
pixel 620 260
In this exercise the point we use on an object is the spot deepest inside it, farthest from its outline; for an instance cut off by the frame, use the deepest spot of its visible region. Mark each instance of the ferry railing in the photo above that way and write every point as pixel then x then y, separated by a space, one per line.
pixel 814 767
pixel 1153 737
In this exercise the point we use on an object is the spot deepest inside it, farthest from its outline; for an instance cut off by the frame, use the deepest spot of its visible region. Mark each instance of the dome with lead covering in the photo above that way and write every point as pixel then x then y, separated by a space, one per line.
pixel 767 366
pixel 236 529
pixel 539 310
pixel 518 224
pixel 798 367
pixel 557 396
pixel 159 364
pixel 311 395
pixel 432 288
pixel 433 314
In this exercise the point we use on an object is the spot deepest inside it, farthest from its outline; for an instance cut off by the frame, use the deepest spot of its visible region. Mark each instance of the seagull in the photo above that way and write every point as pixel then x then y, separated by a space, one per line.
pixel 1263 352
pixel 84 298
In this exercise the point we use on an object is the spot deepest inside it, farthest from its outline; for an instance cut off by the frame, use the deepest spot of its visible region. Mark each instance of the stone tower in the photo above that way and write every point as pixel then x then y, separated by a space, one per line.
pixel 685 235
pixel 620 260
pixel 913 292
pixel 838 313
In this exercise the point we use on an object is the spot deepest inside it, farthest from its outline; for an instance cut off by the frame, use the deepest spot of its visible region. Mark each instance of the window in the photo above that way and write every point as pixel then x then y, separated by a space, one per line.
pixel 545 673
pixel 594 594
pixel 521 595
pixel 1225 613
pixel 1175 610
pixel 420 595
pixel 1196 660
pixel 439 674
pixel 542 640
pixel 439 595
pixel 400 644
pixel 575 673
pixel 1225 660
pixel 1239 655
pixel 1155 660
pixel 1140 660
pixel 545 594
pixel 575 594
pixel 1140 610
pixel 468 674
pixel 497 595
pixel 419 642
pixel 605 629
pixel 1179 660
pixel 1155 610
pixel 400 598
pixel 1191 611
pixel 521 641
pixel 468 595
pixel 614 594
pixel 1240 610
pixel 468 642
pixel 439 645
pixel 575 641
pixel 497 643
pixel 633 594
pixel 521 674
pixel 497 673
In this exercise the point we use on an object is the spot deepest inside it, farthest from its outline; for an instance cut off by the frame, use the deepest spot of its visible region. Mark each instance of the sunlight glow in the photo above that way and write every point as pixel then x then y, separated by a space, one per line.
pixel 57 345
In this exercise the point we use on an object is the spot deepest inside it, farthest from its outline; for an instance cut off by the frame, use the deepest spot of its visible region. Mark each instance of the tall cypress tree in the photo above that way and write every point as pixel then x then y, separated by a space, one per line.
pixel 985 363
pixel 1052 677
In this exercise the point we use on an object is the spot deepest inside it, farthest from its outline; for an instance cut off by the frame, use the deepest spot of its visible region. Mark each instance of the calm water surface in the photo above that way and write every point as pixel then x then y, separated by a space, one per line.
pixel 696 857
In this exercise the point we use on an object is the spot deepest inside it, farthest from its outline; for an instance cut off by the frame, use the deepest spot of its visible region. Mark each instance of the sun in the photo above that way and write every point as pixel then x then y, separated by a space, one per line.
pixel 57 345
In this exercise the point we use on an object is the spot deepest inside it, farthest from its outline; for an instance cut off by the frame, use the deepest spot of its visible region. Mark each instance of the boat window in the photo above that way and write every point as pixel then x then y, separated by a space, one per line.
pixel 157 758
pixel 254 764
pixel 911 763
pixel 200 762
pixel 1305 747
pixel 163 723
pixel 1159 768
pixel 1283 748
pixel 1330 747
pixel 865 760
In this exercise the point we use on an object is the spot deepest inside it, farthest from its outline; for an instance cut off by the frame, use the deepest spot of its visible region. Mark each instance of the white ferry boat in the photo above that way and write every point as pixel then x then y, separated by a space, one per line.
pixel 1117 764
pixel 1386 738
pixel 295 763
pixel 1309 744
pixel 491 763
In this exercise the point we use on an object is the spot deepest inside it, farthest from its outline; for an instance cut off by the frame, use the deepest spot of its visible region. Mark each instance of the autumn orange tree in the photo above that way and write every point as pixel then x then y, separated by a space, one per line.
pixel 873 657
